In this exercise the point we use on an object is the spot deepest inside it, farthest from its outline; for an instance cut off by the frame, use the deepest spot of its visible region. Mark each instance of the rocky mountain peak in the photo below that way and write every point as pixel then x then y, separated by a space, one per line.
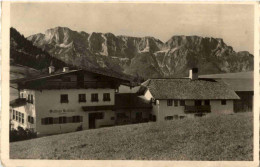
pixel 143 56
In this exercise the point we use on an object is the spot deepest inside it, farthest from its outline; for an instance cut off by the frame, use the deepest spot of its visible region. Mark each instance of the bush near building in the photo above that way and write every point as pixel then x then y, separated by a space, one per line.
pixel 21 134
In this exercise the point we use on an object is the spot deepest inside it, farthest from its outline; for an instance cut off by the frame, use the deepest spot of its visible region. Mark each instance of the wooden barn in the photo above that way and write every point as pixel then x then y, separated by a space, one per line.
pixel 243 84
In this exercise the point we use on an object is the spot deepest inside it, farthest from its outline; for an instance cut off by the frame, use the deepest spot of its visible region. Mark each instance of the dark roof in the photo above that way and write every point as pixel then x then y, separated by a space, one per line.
pixel 59 73
pixel 186 88
pixel 42 76
pixel 131 101
pixel 18 102
pixel 242 81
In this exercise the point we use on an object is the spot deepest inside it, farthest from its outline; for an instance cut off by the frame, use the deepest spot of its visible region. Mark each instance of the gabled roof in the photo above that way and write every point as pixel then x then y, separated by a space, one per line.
pixel 42 76
pixel 185 88
pixel 95 71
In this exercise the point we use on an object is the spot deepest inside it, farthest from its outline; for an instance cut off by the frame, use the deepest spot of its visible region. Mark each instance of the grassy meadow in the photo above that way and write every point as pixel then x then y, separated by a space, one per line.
pixel 219 137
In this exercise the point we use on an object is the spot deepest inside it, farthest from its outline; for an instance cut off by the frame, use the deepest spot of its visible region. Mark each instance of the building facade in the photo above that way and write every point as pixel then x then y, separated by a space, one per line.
pixel 65 101
pixel 187 97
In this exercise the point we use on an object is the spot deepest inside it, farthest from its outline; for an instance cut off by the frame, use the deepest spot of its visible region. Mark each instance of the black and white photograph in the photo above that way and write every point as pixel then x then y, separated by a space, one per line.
pixel 131 81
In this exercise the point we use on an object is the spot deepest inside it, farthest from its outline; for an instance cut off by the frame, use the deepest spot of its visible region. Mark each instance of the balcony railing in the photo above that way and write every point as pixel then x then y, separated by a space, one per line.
pixel 197 109
pixel 98 84
pixel 70 85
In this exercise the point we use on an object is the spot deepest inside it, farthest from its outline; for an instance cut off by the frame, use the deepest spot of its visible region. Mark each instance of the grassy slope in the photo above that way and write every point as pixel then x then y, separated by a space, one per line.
pixel 224 137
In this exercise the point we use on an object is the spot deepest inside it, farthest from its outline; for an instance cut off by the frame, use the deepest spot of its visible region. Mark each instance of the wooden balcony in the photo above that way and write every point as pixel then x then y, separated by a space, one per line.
pixel 69 85
pixel 98 84
pixel 197 109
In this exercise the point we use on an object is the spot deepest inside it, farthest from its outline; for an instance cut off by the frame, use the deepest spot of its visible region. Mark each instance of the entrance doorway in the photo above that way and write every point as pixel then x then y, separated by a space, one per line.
pixel 92 120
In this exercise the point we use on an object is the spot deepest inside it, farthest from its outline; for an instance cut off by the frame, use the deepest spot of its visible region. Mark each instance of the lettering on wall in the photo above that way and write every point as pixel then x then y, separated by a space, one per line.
pixel 62 111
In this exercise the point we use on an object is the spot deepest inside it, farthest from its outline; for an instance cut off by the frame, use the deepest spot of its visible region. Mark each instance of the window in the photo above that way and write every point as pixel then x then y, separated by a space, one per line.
pixel 106 97
pixel 13 114
pixel 50 120
pixel 168 118
pixel 207 102
pixel 62 120
pixel 182 102
pixel 22 118
pixel 64 98
pixel 94 97
pixel 16 118
pixel 175 103
pixel 31 99
pixel 169 102
pixel 223 102
pixel 28 98
pixel 197 102
pixel 82 97
pixel 56 120
pixel 47 121
pixel 30 119
pixel 76 119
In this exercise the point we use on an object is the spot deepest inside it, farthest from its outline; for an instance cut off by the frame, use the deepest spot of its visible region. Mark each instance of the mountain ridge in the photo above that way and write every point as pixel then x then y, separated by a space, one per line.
pixel 143 56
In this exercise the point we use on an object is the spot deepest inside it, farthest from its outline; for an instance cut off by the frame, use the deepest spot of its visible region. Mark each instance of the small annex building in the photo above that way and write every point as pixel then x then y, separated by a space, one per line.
pixel 187 97
pixel 132 108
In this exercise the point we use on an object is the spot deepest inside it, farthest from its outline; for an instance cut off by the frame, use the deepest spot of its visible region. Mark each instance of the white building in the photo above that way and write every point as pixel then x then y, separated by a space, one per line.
pixel 185 97
pixel 66 101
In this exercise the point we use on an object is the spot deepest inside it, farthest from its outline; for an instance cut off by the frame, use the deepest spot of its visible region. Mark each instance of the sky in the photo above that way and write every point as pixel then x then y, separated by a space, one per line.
pixel 233 23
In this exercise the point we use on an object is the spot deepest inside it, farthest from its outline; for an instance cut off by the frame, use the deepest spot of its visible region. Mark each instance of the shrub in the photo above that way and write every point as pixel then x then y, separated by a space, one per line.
pixel 21 134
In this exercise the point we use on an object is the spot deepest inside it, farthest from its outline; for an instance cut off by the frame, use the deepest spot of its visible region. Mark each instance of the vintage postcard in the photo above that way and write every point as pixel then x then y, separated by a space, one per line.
pixel 130 84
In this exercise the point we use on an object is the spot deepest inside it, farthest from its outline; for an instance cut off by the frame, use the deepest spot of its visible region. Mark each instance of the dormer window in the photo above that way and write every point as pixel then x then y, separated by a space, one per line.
pixel 64 98
pixel 82 97
pixel 94 97
pixel 106 97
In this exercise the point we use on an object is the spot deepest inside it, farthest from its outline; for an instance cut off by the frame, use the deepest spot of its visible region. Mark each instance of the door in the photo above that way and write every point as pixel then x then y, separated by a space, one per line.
pixel 92 120
pixel 139 116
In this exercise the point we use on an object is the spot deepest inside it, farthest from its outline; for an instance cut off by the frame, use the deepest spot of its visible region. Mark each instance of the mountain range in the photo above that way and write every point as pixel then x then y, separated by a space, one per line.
pixel 146 57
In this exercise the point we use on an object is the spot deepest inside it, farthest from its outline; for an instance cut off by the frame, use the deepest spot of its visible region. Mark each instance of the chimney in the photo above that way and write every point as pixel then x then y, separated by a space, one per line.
pixel 193 75
pixel 51 69
pixel 65 69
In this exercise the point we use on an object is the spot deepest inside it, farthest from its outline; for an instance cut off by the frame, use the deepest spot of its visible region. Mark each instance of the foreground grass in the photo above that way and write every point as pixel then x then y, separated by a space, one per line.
pixel 224 137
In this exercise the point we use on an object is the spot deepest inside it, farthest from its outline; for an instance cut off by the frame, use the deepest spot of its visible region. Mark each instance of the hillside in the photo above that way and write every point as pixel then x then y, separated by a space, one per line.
pixel 143 56
pixel 19 71
pixel 218 137
pixel 23 52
